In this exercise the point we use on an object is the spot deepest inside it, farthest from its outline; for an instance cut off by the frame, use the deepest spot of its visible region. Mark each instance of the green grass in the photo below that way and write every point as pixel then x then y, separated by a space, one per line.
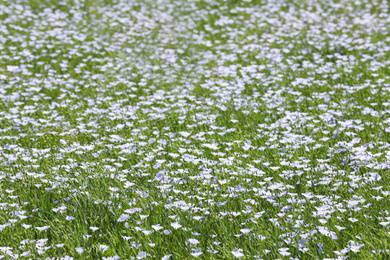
pixel 194 129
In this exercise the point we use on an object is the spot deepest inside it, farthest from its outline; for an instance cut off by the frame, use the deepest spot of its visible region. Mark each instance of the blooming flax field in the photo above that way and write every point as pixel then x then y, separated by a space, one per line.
pixel 209 129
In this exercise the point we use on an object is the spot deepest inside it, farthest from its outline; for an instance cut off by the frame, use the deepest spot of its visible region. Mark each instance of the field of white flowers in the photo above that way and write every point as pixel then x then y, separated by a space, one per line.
pixel 183 129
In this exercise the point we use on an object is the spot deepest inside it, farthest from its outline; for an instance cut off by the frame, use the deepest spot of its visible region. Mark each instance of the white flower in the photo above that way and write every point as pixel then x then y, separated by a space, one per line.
pixel 123 217
pixel 69 218
pixel 42 228
pixel 147 232
pixel 26 226
pixel 79 250
pixel 246 146
pixel 94 228
pixel 283 251
pixel 157 227
pixel 128 184
pixel 238 253
pixel 176 225
pixel 196 254
pixel 166 257
pixel 25 253
pixel 325 231
pixel 113 189
pixel 103 248
pixel 355 247
pixel 342 252
pixel 141 255
pixel 185 134
pixel 339 227
pixel 193 241
pixel 246 230
pixel 211 146
pixel 157 165
pixel 353 220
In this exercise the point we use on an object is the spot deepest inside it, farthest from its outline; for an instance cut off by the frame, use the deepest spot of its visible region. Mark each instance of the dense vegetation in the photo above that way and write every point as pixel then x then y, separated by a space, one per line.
pixel 175 129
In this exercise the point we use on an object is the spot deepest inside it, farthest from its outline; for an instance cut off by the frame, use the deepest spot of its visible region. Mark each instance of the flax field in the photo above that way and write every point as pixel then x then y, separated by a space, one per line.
pixel 194 129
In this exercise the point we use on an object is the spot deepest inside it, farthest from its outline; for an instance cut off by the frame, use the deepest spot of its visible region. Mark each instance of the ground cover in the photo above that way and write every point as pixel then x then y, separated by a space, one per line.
pixel 209 129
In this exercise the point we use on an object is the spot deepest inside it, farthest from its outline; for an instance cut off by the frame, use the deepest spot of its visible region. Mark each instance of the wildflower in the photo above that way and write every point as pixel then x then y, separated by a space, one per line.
pixel 79 250
pixel 176 225
pixel 103 248
pixel 320 247
pixel 246 230
pixel 193 241
pixel 283 251
pixel 197 252
pixel 26 226
pixel 355 247
pixel 238 253
pixel 166 257
pixel 141 255
pixel 42 228
pixel 157 227
pixel 122 218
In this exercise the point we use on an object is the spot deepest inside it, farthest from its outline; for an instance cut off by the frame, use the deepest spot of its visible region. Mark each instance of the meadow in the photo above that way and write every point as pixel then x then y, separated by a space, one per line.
pixel 194 129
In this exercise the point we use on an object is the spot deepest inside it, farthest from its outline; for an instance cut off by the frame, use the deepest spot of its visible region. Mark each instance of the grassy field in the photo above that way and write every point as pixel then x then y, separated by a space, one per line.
pixel 208 129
